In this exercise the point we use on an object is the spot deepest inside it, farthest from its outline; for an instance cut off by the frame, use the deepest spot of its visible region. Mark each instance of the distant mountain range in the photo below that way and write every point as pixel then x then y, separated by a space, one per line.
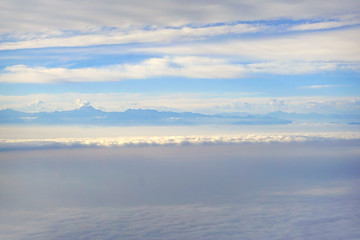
pixel 87 115
pixel 314 117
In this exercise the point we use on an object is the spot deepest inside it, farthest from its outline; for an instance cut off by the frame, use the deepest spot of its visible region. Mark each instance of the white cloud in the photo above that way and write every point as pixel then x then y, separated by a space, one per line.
pixel 291 68
pixel 178 66
pixel 322 25
pixel 101 37
pixel 81 103
pixel 37 15
pixel 340 45
pixel 277 104
pixel 192 67
pixel 330 23
pixel 320 86
pixel 276 52
pixel 35 103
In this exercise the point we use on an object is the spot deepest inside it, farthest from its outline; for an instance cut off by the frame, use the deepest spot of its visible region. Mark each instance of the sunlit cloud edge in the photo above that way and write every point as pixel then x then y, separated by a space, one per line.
pixel 142 141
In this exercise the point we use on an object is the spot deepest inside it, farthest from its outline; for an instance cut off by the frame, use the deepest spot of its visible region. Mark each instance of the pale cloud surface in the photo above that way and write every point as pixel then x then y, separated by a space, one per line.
pixel 164 119
pixel 293 190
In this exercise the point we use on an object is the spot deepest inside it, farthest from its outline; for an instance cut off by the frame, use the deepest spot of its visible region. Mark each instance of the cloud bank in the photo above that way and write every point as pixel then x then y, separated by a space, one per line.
pixel 296 190
pixel 60 143
pixel 273 220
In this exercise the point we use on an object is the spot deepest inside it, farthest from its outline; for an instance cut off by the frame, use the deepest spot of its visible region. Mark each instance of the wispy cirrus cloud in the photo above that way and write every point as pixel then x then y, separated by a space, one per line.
pixel 323 25
pixel 319 86
pixel 337 46
pixel 100 37
pixel 155 34
pixel 178 66
pixel 191 67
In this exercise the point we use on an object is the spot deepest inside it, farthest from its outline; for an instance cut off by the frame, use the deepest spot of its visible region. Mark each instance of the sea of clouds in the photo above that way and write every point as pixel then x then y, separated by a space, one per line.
pixel 321 217
pixel 98 142
pixel 244 190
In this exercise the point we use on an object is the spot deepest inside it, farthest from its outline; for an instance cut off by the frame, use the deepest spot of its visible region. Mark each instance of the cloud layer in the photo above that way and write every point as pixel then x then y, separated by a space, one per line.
pixel 224 59
pixel 301 190
pixel 39 16
pixel 273 220
pixel 60 143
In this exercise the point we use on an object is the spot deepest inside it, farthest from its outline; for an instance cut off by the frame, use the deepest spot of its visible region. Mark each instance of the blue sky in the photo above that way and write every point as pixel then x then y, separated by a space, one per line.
pixel 181 56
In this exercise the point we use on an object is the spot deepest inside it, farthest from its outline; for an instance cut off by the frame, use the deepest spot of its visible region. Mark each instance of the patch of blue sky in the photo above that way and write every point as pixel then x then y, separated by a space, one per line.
pixel 336 83
pixel 72 57
pixel 264 85
pixel 268 22
pixel 155 85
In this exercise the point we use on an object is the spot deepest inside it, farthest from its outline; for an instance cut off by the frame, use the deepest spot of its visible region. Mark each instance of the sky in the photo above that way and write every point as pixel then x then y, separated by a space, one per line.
pixel 203 56
pixel 295 180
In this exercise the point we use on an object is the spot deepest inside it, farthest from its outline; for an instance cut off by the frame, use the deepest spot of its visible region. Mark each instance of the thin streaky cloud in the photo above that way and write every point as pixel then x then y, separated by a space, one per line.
pixel 335 46
pixel 190 67
pixel 323 25
pixel 131 36
pixel 99 36
pixel 319 86
pixel 180 66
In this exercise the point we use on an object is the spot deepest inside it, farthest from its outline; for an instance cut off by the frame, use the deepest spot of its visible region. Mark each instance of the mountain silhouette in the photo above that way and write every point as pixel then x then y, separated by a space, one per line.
pixel 131 117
